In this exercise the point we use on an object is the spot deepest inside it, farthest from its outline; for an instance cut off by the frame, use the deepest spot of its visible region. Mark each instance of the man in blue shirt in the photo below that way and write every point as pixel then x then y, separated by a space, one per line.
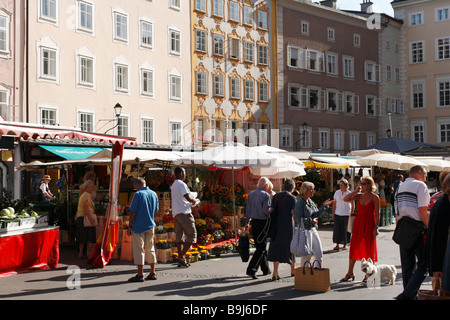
pixel 257 213
pixel 141 228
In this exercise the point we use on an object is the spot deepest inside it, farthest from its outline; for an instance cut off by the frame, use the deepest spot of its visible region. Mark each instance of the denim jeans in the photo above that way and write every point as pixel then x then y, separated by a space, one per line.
pixel 414 269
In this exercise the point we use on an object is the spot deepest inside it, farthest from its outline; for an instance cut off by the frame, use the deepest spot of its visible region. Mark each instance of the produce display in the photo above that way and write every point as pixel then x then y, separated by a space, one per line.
pixel 10 220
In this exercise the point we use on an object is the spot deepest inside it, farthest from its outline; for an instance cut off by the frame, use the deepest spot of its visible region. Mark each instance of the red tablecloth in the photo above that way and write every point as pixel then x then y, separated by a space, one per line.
pixel 29 250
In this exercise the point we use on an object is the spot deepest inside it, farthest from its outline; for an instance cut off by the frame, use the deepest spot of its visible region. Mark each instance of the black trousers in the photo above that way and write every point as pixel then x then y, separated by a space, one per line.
pixel 259 258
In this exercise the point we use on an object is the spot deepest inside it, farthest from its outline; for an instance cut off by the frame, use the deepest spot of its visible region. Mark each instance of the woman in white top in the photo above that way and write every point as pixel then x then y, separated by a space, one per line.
pixel 341 213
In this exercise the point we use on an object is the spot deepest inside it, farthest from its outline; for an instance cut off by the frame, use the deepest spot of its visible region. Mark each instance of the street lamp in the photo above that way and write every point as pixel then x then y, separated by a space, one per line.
pixel 117 113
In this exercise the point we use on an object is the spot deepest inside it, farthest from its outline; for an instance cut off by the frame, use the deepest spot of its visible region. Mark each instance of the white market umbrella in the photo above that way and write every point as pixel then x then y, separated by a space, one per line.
pixel 229 155
pixel 435 164
pixel 284 167
pixel 268 149
pixel 390 161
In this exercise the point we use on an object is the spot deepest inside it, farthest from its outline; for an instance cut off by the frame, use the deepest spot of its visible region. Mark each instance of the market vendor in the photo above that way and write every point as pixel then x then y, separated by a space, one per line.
pixel 44 189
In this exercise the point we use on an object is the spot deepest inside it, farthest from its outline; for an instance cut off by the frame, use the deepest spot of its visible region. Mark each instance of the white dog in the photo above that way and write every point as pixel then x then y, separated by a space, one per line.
pixel 383 271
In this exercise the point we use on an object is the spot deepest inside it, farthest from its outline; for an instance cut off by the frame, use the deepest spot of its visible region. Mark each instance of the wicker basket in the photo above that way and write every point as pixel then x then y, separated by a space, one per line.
pixel 433 295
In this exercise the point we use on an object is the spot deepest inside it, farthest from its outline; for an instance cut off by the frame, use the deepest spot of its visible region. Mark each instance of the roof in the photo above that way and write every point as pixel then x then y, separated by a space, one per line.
pixel 403 146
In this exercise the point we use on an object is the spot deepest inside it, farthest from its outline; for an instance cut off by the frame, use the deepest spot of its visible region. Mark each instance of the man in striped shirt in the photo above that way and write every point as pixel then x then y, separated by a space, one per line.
pixel 412 201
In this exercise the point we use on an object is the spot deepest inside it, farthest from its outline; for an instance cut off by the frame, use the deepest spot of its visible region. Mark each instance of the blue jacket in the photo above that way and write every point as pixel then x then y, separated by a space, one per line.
pixel 306 211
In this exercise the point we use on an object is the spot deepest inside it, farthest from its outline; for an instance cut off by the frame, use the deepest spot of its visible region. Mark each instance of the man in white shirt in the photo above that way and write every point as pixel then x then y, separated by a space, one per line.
pixel 412 201
pixel 46 194
pixel 184 221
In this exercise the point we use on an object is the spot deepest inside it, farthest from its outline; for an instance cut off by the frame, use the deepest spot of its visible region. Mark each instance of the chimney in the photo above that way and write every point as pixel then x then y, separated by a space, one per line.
pixel 329 3
pixel 366 5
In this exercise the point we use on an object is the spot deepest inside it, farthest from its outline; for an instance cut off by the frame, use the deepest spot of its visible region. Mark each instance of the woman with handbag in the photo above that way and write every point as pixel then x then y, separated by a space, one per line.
pixel 282 210
pixel 306 210
pixel 86 220
pixel 365 229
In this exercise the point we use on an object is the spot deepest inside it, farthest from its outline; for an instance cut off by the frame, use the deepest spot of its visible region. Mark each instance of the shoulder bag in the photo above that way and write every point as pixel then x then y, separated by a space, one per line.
pixel 408 232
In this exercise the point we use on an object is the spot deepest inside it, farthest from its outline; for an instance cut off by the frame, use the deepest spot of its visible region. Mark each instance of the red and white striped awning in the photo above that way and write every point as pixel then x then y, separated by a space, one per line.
pixel 26 131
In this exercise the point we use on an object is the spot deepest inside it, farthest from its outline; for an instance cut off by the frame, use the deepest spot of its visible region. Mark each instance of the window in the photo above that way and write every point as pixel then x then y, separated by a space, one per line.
pixel 397 74
pixel 443 85
pixel 4 34
pixel 200 40
pixel 294 57
pixel 263 137
pixel 235 88
pixel 248 15
pixel 175 133
pixel 146 34
pixel 338 140
pixel 332 63
pixel 234 11
pixel 443 130
pixel 372 71
pixel 263 54
pixel 262 19
pixel 417 53
pixel 418 130
pixel 4 110
pixel 351 103
pixel 418 94
pixel 147 82
pixel 175 4
pixel 263 91
pixel 48 115
pixel 123 126
pixel 294 96
pixel 175 87
pixel 48 61
pixel 201 82
pixel 85 16
pixel 286 137
pixel 200 5
pixel 48 9
pixel 371 138
pixel 443 48
pixel 315 60
pixel 356 40
pixel 416 18
pixel 147 127
pixel 305 138
pixel 324 139
pixel 86 121
pixel 234 48
pixel 348 67
pixel 218 44
pixel 120 26
pixel 121 77
pixel 331 33
pixel 202 132
pixel 315 99
pixel 354 140
pixel 332 101
pixel 388 72
pixel 217 8
pixel 174 42
pixel 305 27
pixel 372 106
pixel 442 14
pixel 248 51
pixel 249 90
pixel 219 85
pixel 86 71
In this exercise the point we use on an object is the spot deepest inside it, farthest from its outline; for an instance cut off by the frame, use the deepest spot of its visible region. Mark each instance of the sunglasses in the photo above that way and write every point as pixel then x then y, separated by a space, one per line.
pixel 364 183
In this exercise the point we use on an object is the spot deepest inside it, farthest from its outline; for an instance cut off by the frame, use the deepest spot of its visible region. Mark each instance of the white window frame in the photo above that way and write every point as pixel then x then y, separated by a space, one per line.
pixel 121 126
pixel 443 79
pixel 356 40
pixel 234 54
pixel 201 82
pixel 414 16
pixel 371 71
pixel 305 137
pixel 338 139
pixel 82 54
pixel 414 54
pixel 421 123
pixel 121 77
pixel 174 39
pixel 247 13
pixel 324 138
pixel 371 138
pixel 200 5
pixel 263 92
pixel 445 14
pixel 175 4
pixel 217 8
pixel 234 11
pixel 299 57
pixel 200 40
pixel 175 93
pixel 249 90
pixel 304 25
pixel 445 48
pixel 332 67
pixel 298 93
pixel 144 69
pixel 331 34
pixel 375 106
pixel 218 44
pixel 248 51
pixel 337 98
pixel 4 104
pixel 50 108
pixel 348 72
pixel 354 103
pixel 286 136
pixel 219 85
pixel 89 112
pixel 263 54
pixel 6 34
pixel 80 27
pixel 319 62
pixel 262 19
pixel 146 33
pixel 173 134
pixel 422 83
pixel 354 140
pixel 151 134
pixel 48 44
pixel 446 122
pixel 124 35
pixel 42 17
pixel 235 88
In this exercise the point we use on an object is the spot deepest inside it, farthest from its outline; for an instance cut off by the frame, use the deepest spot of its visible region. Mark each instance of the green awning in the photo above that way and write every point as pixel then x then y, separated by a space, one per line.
pixel 72 152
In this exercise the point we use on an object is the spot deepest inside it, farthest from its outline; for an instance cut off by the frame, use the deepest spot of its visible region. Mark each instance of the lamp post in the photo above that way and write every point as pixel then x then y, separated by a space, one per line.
pixel 117 112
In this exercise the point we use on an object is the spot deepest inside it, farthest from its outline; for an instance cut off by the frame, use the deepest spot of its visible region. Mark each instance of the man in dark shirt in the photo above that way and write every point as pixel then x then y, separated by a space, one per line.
pixel 257 214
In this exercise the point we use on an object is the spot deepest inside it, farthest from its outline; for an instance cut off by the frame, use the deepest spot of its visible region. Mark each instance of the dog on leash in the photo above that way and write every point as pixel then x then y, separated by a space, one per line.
pixel 383 271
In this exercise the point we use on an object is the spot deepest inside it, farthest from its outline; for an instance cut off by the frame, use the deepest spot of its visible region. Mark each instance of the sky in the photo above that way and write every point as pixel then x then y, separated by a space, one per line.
pixel 383 6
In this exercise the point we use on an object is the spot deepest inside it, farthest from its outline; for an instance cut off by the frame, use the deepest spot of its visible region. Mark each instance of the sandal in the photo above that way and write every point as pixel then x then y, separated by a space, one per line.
pixel 274 278
pixel 151 276
pixel 336 248
pixel 182 263
pixel 348 277
pixel 136 278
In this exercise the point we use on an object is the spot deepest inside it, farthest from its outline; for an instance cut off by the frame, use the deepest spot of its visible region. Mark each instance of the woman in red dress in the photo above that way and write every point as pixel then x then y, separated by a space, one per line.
pixel 363 243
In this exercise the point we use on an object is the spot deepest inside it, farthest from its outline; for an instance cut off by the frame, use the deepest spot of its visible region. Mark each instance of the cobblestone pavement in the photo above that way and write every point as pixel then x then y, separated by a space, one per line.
pixel 217 279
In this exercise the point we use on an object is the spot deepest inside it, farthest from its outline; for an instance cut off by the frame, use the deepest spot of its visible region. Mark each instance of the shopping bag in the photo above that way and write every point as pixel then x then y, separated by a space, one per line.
pixel 351 222
pixel 244 247
pixel 312 279
pixel 300 243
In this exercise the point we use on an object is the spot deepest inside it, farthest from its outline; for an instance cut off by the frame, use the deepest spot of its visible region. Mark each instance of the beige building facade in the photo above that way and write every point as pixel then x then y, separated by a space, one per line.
pixel 426 45
pixel 87 56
